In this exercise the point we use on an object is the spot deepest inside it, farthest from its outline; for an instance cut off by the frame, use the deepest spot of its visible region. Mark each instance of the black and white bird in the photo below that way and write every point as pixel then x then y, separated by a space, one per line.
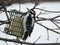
pixel 28 23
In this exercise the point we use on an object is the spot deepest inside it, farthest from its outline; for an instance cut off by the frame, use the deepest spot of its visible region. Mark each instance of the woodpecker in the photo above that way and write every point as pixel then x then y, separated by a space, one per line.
pixel 28 23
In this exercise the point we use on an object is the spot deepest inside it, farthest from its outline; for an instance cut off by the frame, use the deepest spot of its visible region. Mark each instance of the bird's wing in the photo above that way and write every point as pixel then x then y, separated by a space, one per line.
pixel 24 22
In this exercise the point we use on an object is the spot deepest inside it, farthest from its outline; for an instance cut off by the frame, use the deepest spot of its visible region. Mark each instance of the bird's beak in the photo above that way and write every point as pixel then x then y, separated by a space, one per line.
pixel 27 9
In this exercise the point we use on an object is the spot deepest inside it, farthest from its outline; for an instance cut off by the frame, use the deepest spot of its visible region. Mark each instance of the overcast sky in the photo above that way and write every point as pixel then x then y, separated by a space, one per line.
pixel 38 30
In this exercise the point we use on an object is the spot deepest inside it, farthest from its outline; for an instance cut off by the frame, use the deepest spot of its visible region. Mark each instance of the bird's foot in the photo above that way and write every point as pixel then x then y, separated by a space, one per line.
pixel 17 39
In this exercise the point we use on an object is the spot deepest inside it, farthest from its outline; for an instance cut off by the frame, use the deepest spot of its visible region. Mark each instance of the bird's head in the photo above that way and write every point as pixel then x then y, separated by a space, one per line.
pixel 32 12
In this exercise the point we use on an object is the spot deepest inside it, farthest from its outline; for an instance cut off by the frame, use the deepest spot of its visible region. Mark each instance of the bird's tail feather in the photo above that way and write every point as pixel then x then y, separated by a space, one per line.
pixel 25 36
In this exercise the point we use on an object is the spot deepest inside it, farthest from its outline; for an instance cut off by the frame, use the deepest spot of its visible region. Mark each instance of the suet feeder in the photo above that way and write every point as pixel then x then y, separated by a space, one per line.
pixel 15 28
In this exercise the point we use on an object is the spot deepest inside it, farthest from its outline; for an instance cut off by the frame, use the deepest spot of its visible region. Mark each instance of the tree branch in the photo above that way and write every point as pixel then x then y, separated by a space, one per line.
pixel 48 28
pixel 48 10
pixel 4 22
pixel 16 41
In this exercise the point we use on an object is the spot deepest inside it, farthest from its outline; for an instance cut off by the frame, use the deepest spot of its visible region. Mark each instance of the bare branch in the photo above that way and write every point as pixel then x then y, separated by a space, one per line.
pixel 4 3
pixel 42 19
pixel 6 13
pixel 33 6
pixel 48 28
pixel 36 4
pixel 16 41
pixel 48 10
pixel 55 24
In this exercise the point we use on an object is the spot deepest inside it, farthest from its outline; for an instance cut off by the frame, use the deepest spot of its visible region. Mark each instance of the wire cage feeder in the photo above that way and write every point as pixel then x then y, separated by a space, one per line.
pixel 15 27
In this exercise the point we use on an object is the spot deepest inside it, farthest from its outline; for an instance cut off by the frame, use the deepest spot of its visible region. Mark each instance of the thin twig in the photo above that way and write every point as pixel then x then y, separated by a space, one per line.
pixel 21 43
pixel 6 42
pixel 56 40
pixel 55 17
pixel 37 39
pixel 4 22
pixel 47 34
pixel 6 13
pixel 55 24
